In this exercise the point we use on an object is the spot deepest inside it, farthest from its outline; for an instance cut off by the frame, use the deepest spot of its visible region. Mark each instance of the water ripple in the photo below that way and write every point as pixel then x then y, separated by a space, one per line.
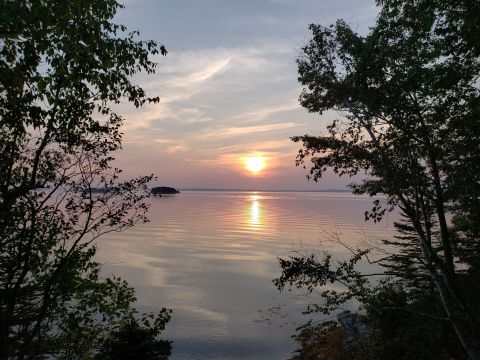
pixel 211 256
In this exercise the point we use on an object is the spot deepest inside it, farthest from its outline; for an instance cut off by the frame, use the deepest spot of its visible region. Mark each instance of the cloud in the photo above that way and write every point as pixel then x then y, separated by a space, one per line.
pixel 261 113
pixel 184 74
pixel 198 87
pixel 207 72
pixel 245 130
pixel 192 116
pixel 175 149
pixel 252 146
pixel 161 112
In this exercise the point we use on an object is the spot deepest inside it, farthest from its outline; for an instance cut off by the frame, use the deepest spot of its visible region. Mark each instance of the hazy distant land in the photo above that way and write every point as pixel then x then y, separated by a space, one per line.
pixel 265 190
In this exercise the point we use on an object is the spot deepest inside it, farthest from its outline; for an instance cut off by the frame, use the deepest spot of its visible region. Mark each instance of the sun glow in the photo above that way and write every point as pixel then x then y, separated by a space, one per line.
pixel 255 164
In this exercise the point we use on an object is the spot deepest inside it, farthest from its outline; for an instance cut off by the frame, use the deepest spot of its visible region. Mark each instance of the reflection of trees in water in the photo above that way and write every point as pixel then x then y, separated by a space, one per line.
pixel 57 134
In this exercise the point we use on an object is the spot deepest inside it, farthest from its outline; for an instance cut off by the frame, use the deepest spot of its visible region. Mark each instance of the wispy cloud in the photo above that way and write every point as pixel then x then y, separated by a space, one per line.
pixel 263 112
pixel 245 130
pixel 189 72
pixel 196 77
pixel 272 145
pixel 195 87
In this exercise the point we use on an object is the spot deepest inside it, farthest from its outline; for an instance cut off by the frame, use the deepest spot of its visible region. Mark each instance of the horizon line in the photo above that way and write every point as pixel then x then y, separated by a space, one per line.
pixel 261 190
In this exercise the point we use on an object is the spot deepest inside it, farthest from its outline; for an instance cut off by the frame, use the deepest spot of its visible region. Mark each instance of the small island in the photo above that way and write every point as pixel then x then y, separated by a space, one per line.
pixel 159 190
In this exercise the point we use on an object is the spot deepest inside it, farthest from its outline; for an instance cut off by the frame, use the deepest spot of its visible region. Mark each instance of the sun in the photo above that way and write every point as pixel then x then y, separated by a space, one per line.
pixel 255 164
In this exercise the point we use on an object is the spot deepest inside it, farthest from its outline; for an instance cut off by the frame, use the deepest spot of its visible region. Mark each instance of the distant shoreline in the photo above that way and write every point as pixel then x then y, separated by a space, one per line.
pixel 263 190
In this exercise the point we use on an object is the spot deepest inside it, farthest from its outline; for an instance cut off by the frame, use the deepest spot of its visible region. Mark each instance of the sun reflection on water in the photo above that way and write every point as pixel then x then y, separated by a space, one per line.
pixel 255 197
pixel 255 218
pixel 255 212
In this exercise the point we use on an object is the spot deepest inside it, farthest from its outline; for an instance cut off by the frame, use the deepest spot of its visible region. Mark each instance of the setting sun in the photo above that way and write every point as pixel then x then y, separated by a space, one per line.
pixel 255 164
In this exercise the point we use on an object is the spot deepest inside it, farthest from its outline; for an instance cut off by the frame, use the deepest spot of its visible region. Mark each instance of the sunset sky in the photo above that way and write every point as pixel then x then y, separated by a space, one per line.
pixel 228 90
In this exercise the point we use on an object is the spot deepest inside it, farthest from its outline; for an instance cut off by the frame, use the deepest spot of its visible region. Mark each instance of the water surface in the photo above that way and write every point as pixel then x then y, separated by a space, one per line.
pixel 211 257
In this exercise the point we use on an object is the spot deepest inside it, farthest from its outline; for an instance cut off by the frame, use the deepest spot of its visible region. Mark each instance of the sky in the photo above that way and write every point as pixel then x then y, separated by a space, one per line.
pixel 228 91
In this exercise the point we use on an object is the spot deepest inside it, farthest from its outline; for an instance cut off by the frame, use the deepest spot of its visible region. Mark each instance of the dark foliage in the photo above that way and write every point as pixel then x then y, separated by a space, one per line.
pixel 408 100
pixel 133 341
pixel 63 64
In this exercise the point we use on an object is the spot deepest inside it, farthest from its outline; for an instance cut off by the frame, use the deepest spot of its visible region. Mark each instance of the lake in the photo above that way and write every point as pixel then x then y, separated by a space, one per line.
pixel 211 257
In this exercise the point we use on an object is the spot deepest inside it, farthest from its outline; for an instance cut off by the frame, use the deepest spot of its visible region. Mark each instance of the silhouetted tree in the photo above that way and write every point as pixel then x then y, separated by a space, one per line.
pixel 133 341
pixel 409 98
pixel 63 65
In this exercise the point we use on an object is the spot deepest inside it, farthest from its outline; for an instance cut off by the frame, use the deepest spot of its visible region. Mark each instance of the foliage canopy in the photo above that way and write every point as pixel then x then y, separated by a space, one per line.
pixel 63 67
pixel 408 97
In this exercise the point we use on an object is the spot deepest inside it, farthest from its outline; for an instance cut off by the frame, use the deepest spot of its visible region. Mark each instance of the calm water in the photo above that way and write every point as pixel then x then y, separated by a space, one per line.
pixel 211 257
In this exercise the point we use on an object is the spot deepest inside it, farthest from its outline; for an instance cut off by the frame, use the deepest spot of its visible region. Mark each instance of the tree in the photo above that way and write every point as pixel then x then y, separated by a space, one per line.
pixel 63 66
pixel 409 99
pixel 132 341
